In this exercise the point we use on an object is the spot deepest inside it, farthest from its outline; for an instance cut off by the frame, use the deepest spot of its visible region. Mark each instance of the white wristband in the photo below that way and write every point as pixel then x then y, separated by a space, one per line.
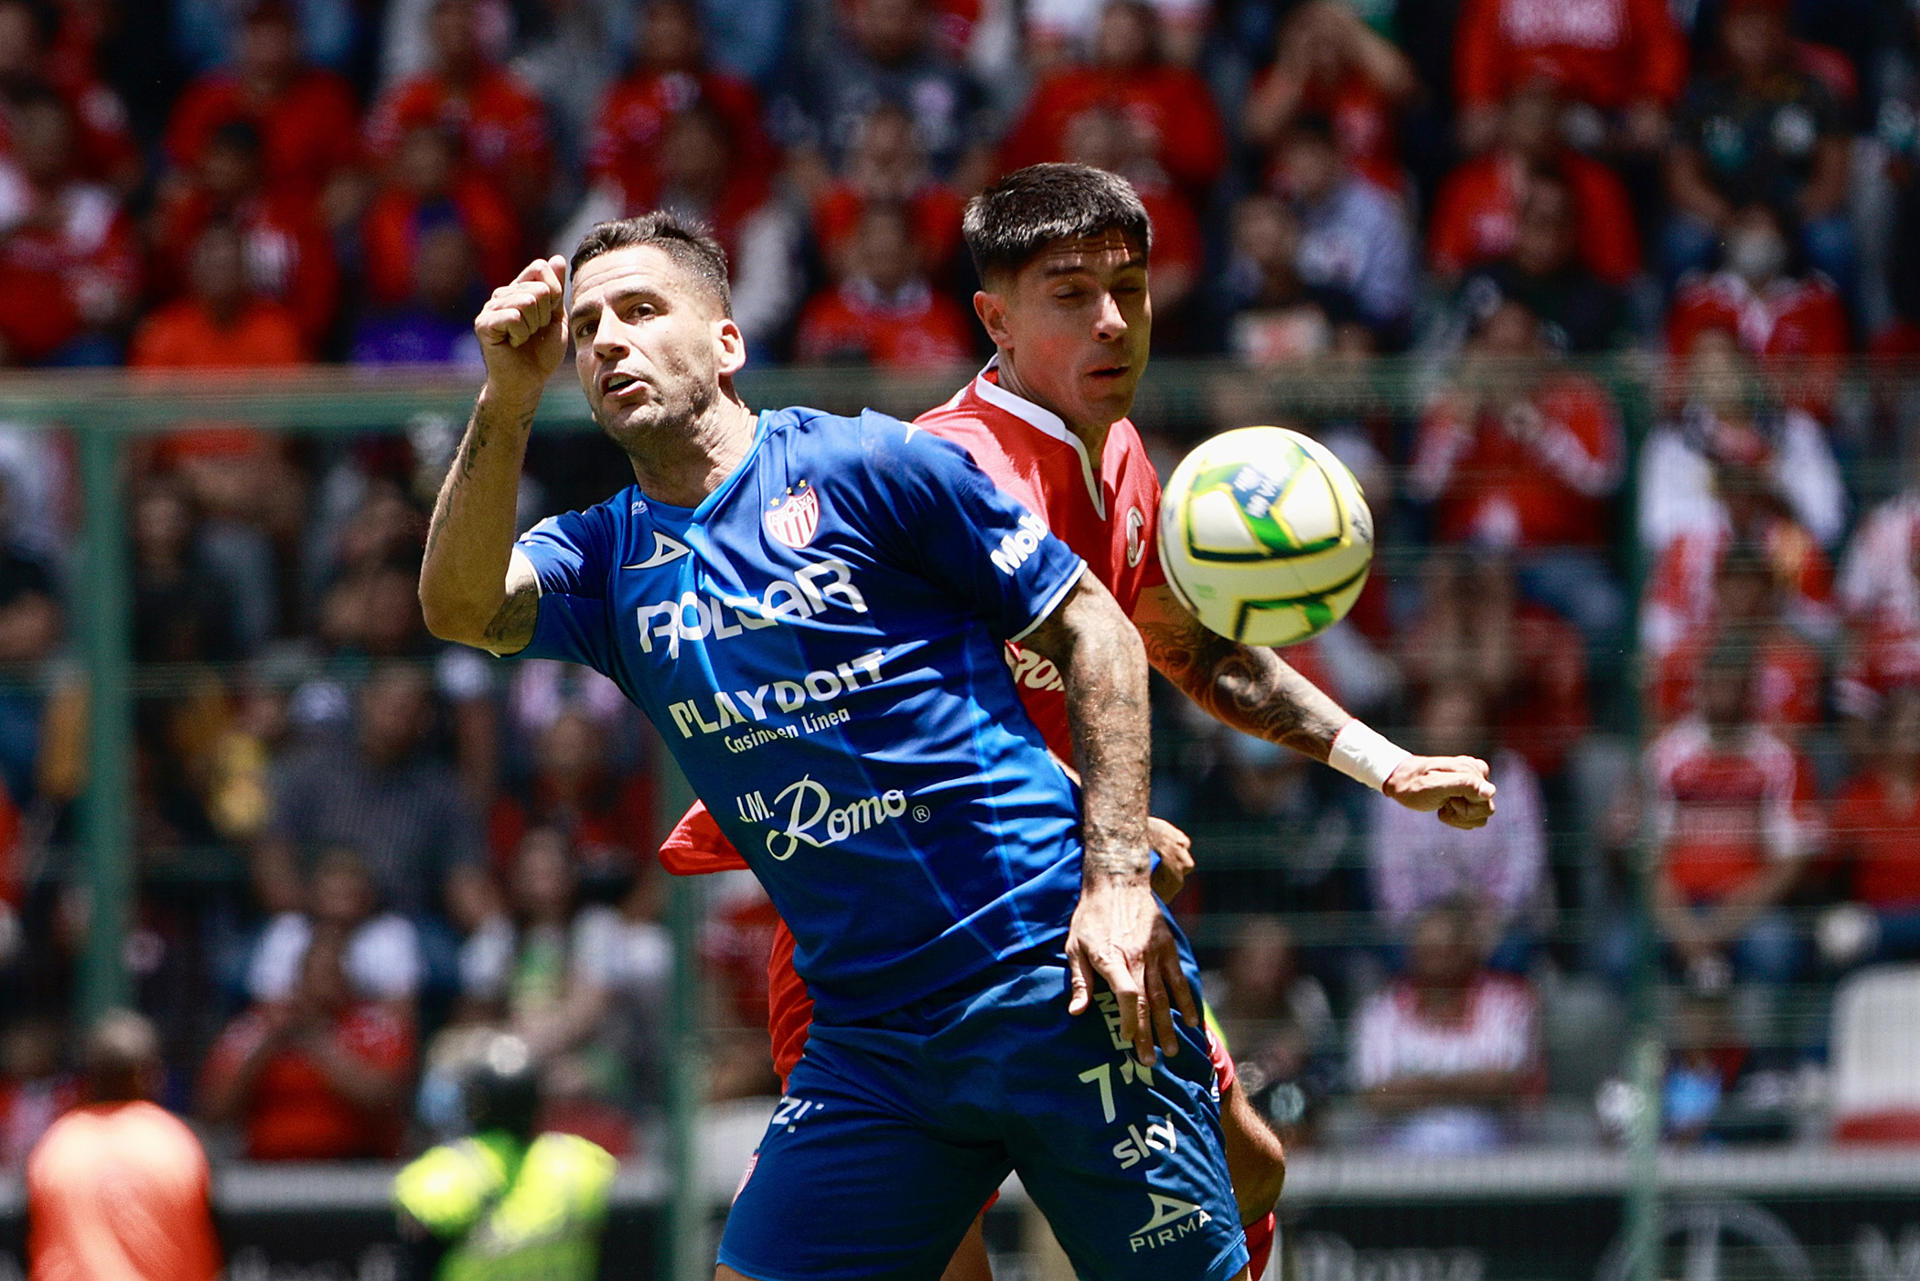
pixel 1365 755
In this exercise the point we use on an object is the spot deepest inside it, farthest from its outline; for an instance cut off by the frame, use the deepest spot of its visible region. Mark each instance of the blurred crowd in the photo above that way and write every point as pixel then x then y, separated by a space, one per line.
pixel 1581 289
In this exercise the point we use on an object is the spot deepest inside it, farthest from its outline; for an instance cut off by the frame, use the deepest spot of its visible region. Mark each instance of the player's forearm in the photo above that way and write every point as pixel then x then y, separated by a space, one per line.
pixel 1104 671
pixel 1257 693
pixel 470 540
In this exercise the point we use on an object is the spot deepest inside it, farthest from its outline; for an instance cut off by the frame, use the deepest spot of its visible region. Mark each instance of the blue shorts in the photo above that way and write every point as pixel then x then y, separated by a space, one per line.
pixel 894 1132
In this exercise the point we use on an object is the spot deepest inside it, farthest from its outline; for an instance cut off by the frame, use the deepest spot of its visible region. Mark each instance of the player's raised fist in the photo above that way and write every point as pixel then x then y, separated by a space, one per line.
pixel 1455 788
pixel 522 328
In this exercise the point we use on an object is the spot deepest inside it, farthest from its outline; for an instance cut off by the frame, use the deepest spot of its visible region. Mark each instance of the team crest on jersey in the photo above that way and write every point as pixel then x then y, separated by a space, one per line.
pixel 1136 522
pixel 793 519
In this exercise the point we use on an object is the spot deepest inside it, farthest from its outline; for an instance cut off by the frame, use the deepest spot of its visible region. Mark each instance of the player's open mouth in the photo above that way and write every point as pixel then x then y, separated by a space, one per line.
pixel 1109 371
pixel 615 383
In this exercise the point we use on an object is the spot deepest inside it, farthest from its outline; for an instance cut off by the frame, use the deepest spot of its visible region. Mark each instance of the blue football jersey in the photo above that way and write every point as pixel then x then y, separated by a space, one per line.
pixel 819 643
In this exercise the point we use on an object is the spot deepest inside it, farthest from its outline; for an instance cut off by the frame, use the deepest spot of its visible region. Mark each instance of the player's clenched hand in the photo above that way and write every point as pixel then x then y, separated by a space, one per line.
pixel 1119 934
pixel 1175 848
pixel 1454 787
pixel 522 328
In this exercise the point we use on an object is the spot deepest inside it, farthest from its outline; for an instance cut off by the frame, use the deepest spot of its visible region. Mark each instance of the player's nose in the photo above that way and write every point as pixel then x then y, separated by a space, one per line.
pixel 1109 322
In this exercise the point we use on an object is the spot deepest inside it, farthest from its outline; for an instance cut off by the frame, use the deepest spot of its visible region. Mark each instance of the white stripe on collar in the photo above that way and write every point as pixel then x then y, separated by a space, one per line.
pixel 1046 421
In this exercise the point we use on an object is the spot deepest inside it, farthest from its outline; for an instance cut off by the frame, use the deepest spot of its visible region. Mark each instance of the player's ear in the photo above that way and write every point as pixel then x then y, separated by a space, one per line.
pixel 729 347
pixel 992 310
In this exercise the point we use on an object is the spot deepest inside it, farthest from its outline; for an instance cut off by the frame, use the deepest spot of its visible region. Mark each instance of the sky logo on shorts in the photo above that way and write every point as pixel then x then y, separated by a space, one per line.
pixel 792 520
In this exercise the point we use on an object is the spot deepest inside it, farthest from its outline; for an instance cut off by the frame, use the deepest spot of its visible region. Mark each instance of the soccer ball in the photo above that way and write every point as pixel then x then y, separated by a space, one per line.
pixel 1265 535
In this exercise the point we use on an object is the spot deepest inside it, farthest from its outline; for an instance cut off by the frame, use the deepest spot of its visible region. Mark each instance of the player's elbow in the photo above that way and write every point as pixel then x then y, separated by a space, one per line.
pixel 450 618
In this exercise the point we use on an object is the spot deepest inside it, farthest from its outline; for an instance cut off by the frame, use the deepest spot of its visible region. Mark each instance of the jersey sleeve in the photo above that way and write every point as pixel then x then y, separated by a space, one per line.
pixel 947 518
pixel 570 554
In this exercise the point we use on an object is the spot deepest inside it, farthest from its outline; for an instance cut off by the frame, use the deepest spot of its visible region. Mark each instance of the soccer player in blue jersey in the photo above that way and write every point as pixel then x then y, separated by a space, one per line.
pixel 812 610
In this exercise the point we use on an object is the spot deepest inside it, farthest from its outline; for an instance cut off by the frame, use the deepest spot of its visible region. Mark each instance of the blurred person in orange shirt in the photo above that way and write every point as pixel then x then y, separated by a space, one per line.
pixel 223 322
pixel 118 1190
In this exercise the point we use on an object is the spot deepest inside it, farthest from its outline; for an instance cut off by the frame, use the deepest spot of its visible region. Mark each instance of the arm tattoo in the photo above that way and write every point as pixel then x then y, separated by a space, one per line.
pixel 1103 668
pixel 512 626
pixel 1251 689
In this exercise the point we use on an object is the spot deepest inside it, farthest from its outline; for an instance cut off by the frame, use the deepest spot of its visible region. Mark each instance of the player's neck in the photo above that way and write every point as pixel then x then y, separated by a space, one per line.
pixel 685 469
pixel 1091 435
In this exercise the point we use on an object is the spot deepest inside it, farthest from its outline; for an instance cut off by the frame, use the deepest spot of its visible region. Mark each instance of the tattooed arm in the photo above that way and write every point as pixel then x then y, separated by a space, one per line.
pixel 1253 690
pixel 1117 930
pixel 473 587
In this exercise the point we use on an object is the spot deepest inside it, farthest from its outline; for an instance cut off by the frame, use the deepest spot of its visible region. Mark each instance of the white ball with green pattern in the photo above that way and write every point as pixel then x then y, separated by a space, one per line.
pixel 1265 535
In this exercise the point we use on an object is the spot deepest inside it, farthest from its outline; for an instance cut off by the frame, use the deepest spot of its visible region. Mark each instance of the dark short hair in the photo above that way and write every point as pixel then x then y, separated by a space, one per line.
pixel 1007 225
pixel 684 240
pixel 119 1058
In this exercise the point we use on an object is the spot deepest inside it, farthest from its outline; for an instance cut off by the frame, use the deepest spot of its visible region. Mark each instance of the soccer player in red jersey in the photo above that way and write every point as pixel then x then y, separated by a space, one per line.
pixel 1062 253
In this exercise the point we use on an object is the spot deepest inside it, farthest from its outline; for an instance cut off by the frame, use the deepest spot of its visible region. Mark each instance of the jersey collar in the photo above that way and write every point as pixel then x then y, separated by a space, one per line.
pixel 1044 420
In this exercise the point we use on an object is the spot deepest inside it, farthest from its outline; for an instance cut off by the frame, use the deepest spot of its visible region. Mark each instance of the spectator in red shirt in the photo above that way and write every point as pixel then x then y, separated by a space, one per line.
pixel 105 151
pixel 1760 131
pixel 605 814
pixel 289 256
pixel 1544 270
pixel 1171 105
pixel 500 126
pixel 1476 217
pixel 1333 64
pixel 319 1076
pixel 223 322
pixel 427 188
pixel 1747 612
pixel 1734 828
pixel 1792 322
pixel 671 73
pixel 1875 833
pixel 69 256
pixel 1624 59
pixel 884 312
pixel 1520 452
pixel 305 118
pixel 104 148
pixel 886 163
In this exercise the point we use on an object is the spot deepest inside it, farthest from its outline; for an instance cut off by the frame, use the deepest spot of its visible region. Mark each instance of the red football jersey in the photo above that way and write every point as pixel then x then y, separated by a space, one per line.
pixel 1104 510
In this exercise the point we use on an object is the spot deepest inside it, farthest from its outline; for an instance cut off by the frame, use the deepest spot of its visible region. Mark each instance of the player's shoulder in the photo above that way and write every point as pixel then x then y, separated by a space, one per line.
pixel 855 447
